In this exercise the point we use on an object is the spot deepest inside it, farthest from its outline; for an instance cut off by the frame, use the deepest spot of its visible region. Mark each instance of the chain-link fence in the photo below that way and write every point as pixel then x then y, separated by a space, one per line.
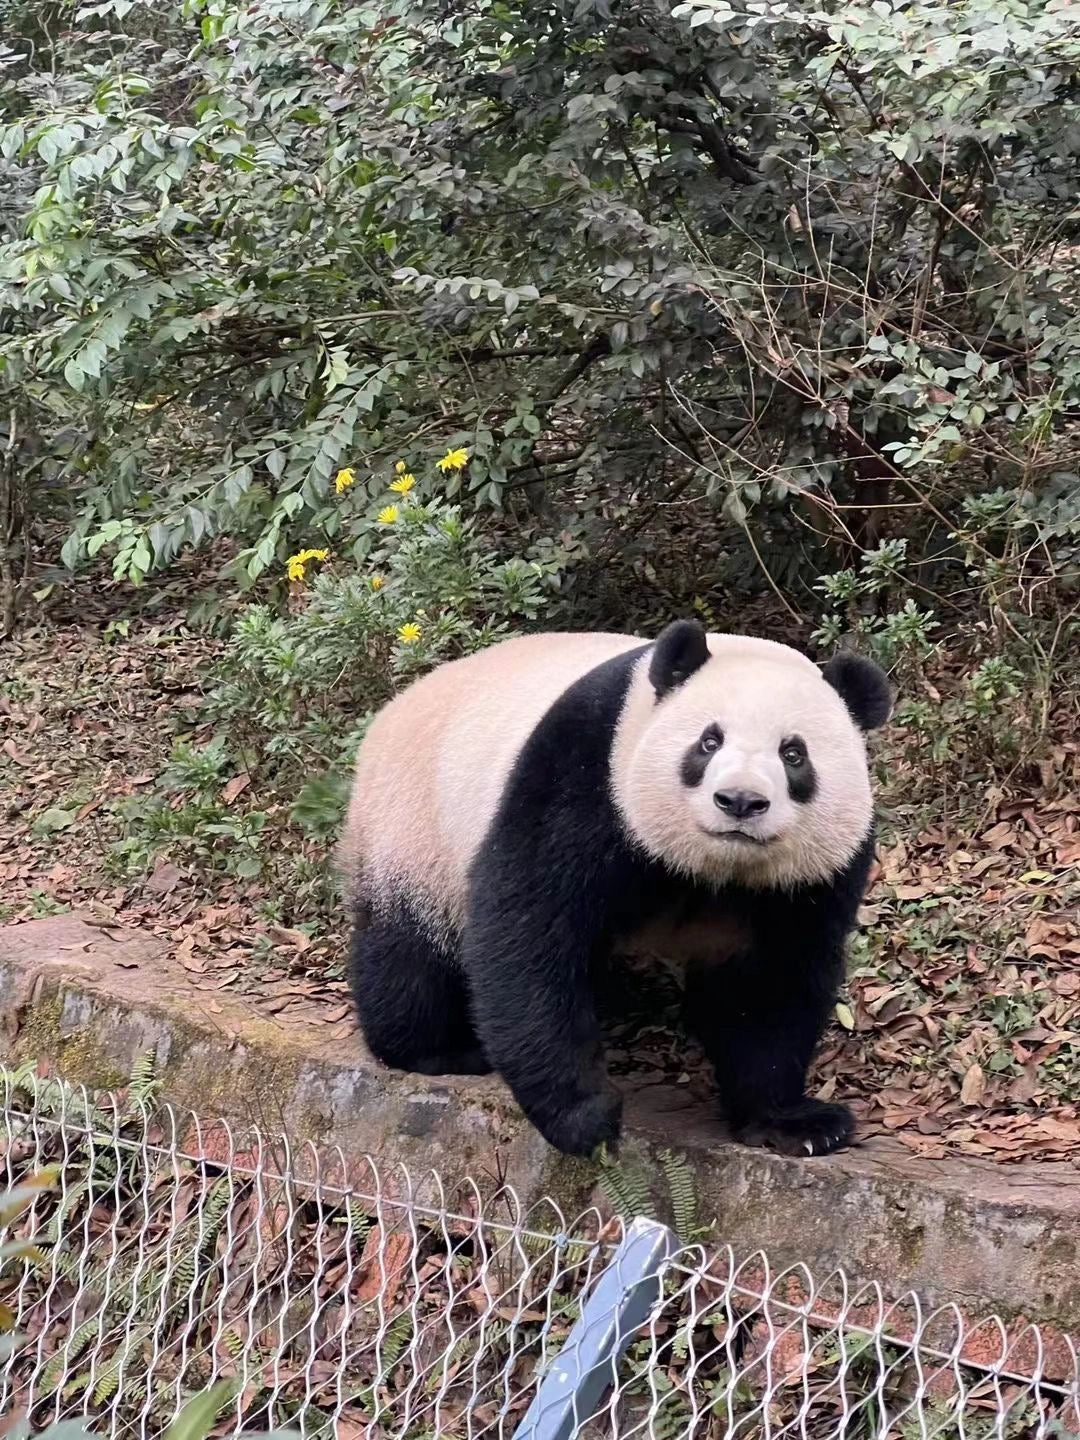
pixel 351 1300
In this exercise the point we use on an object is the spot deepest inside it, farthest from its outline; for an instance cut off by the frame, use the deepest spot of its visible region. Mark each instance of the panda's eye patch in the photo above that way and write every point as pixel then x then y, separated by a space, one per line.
pixel 793 753
pixel 711 740
pixel 696 759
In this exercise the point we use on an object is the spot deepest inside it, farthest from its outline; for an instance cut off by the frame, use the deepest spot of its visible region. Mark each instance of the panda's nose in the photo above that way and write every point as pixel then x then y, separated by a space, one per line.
pixel 740 804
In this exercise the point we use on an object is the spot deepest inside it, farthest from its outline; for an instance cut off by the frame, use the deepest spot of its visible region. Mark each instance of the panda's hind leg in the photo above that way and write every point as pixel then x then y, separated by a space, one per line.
pixel 411 1001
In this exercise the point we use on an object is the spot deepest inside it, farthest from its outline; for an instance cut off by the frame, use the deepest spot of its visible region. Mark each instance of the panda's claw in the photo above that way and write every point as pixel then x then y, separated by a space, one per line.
pixel 807 1128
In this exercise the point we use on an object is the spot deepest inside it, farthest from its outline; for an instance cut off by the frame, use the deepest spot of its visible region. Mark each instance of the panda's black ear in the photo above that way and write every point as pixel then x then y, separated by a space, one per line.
pixel 862 686
pixel 678 652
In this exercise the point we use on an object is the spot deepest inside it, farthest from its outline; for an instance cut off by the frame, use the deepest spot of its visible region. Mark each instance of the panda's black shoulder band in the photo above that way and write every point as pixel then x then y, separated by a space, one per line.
pixel 679 651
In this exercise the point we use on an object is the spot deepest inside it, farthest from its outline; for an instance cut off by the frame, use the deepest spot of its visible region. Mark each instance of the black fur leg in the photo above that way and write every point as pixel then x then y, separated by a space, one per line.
pixel 545 895
pixel 579 1126
pixel 526 951
pixel 761 1013
pixel 809 1127
pixel 534 1012
pixel 759 1020
pixel 411 1002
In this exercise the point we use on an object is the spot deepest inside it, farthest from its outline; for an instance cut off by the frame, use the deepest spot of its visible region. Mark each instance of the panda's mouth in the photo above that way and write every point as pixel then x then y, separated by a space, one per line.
pixel 741 837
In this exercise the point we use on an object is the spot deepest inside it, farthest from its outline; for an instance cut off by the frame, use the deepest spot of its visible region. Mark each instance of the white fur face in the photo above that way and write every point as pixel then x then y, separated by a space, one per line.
pixel 751 771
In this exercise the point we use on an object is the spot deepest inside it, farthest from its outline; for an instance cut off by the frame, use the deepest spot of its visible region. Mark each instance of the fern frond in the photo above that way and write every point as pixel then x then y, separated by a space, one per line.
pixel 234 1343
pixel 627 1190
pixel 69 1198
pixel 359 1221
pixel 398 1335
pixel 107 1383
pixel 143 1082
pixel 214 1212
pixel 55 1369
pixel 683 1193
pixel 21 1079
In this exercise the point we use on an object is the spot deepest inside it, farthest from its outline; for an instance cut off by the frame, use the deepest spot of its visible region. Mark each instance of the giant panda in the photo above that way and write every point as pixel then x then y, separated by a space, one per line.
pixel 519 813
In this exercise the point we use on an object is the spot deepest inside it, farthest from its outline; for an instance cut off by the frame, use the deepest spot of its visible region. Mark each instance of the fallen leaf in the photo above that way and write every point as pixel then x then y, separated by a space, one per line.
pixel 12 751
pixel 164 879
pixel 974 1086
pixel 296 938
pixel 236 786
pixel 382 1262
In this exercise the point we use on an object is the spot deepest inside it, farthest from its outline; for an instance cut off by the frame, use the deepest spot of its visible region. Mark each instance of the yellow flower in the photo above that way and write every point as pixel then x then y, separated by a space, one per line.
pixel 403 484
pixel 399 468
pixel 377 582
pixel 344 479
pixel 297 564
pixel 388 514
pixel 409 634
pixel 453 460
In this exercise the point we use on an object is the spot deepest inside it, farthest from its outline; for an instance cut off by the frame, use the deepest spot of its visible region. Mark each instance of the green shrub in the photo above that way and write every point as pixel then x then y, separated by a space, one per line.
pixel 297 689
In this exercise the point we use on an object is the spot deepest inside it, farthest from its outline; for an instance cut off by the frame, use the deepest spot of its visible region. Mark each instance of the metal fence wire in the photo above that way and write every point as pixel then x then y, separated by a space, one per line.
pixel 351 1300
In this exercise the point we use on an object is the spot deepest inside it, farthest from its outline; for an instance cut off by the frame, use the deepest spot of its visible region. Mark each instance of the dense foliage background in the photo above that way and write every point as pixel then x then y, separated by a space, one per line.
pixel 336 339
pixel 791 264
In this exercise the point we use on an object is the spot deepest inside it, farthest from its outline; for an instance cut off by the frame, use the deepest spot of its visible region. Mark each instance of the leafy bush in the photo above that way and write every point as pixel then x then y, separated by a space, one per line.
pixel 431 591
pixel 791 265
pixel 295 691
pixel 985 723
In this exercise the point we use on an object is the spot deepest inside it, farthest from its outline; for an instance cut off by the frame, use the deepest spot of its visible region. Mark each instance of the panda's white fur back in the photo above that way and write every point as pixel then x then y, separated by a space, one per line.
pixel 435 762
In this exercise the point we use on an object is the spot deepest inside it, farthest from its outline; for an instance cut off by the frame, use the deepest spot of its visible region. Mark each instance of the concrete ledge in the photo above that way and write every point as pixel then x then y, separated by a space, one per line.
pixel 88 1001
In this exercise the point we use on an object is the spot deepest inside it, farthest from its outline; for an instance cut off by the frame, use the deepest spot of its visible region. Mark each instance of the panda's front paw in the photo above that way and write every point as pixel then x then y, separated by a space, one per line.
pixel 810 1127
pixel 582 1126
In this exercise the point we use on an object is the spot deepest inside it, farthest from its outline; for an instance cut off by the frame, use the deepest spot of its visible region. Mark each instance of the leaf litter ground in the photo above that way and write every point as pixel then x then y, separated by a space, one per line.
pixel 960 1028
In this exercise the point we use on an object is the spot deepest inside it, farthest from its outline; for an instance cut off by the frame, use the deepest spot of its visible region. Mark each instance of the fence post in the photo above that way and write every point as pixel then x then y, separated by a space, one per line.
pixel 619 1305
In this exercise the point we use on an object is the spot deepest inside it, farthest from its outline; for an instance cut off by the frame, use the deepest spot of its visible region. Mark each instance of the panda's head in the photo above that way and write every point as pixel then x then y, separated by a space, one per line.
pixel 738 759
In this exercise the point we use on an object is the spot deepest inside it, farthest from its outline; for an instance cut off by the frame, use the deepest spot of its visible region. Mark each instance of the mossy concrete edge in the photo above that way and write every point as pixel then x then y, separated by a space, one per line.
pixel 89 1002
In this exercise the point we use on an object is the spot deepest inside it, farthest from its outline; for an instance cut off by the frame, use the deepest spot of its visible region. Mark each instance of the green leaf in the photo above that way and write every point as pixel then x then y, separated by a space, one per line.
pixel 71 550
pixel 733 508
pixel 198 1416
pixel 159 537
pixel 52 820
pixel 141 558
